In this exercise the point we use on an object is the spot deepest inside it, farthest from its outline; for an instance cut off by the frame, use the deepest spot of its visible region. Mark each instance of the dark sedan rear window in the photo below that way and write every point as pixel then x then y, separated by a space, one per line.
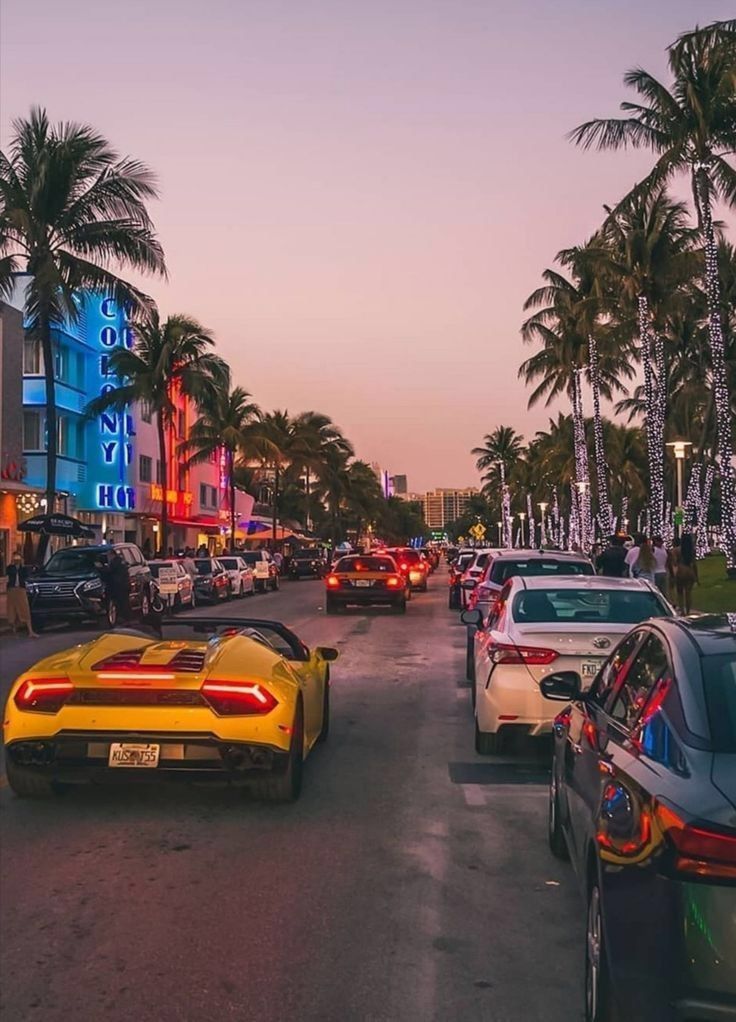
pixel 719 676
pixel 205 567
pixel 366 564
pixel 505 569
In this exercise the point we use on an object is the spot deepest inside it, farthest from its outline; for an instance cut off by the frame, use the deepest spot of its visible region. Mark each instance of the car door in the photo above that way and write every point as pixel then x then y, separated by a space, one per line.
pixel 581 777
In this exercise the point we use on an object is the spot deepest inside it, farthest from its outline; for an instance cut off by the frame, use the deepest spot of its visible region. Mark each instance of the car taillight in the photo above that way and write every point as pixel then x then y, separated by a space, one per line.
pixel 43 695
pixel 698 850
pixel 503 653
pixel 233 698
pixel 332 581
pixel 393 582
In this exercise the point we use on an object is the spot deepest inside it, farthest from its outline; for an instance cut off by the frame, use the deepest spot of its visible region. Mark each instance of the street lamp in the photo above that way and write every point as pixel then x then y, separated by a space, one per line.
pixel 543 505
pixel 522 518
pixel 500 533
pixel 679 449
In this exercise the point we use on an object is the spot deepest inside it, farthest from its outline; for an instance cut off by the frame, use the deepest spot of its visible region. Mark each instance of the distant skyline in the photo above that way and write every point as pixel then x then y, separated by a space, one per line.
pixel 357 197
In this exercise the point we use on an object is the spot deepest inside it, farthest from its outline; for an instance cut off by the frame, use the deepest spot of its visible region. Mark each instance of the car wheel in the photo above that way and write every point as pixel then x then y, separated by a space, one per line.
pixel 599 1002
pixel 325 729
pixel 241 592
pixel 487 743
pixel 146 605
pixel 474 691
pixel 111 614
pixel 470 658
pixel 26 784
pixel 286 784
pixel 453 602
pixel 555 836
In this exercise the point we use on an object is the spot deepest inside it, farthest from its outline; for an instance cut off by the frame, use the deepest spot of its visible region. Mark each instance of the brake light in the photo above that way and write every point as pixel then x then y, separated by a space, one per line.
pixel 701 851
pixel 43 695
pixel 393 582
pixel 332 581
pixel 404 566
pixel 232 698
pixel 503 653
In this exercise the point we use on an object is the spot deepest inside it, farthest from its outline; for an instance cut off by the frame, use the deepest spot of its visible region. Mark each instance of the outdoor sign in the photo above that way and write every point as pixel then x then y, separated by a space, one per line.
pixel 167 581
pixel 478 531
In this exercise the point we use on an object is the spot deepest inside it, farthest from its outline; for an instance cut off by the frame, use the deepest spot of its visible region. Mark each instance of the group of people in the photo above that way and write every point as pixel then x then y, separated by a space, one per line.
pixel 673 571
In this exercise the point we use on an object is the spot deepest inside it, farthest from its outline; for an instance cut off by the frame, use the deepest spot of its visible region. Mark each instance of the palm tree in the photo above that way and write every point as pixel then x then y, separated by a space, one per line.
pixel 503 445
pixel 170 359
pixel 691 128
pixel 314 434
pixel 71 210
pixel 223 427
pixel 649 257
pixel 272 439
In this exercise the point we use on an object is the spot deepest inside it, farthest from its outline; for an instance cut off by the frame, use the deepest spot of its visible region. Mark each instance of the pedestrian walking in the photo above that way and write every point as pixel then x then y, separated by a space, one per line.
pixel 612 561
pixel 632 556
pixel 684 571
pixel 645 564
pixel 661 566
pixel 19 611
pixel 118 585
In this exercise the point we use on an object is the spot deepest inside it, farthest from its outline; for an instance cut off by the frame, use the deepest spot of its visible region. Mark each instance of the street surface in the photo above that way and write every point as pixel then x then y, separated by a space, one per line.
pixel 411 882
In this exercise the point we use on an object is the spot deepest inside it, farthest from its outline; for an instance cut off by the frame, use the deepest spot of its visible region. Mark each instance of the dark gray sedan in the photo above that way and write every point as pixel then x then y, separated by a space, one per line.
pixel 643 801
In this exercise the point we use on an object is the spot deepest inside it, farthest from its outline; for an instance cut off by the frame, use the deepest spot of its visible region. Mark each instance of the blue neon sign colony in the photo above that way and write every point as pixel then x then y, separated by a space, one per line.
pixel 116 429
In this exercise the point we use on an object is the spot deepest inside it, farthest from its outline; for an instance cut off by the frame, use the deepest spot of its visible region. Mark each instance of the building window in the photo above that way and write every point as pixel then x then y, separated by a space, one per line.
pixel 145 468
pixel 207 496
pixel 145 410
pixel 32 357
pixel 32 431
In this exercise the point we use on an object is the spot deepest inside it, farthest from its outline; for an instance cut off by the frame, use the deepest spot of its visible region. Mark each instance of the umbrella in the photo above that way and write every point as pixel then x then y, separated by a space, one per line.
pixel 57 525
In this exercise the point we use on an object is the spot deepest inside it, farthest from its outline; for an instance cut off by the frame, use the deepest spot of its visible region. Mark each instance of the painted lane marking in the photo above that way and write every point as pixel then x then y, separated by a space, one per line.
pixel 474 794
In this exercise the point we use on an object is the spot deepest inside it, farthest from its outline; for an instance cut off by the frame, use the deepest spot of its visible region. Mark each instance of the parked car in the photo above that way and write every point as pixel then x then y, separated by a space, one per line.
pixel 71 585
pixel 265 572
pixel 643 801
pixel 473 572
pixel 212 582
pixel 455 570
pixel 504 564
pixel 241 575
pixel 185 595
pixel 539 626
pixel 306 563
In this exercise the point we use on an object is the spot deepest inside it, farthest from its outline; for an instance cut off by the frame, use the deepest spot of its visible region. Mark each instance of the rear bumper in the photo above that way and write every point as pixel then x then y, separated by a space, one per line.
pixel 512 697
pixel 364 599
pixel 82 757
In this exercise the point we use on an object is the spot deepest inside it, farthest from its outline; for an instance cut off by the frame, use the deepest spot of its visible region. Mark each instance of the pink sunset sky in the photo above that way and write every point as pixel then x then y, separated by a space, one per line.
pixel 357 195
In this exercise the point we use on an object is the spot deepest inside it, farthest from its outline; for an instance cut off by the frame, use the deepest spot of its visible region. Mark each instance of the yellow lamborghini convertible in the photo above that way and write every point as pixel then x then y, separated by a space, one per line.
pixel 237 700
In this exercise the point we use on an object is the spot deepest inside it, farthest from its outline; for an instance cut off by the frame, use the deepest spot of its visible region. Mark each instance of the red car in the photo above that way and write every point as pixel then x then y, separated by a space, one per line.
pixel 412 566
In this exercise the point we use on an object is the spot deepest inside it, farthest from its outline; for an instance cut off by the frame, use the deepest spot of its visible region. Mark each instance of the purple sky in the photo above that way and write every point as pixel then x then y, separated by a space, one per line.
pixel 357 195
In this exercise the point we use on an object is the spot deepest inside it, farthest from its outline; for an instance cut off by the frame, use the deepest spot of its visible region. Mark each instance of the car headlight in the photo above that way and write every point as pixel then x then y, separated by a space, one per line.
pixel 31 587
pixel 94 584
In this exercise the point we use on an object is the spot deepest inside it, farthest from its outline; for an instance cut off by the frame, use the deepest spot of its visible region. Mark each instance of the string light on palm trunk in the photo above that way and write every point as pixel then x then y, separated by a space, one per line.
pixel 605 511
pixel 581 459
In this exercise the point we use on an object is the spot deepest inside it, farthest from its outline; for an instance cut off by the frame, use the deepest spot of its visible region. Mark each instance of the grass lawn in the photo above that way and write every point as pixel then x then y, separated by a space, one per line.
pixel 716 593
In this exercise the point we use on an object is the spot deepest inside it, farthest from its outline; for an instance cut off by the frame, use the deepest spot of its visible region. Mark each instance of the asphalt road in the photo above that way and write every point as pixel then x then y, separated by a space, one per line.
pixel 411 882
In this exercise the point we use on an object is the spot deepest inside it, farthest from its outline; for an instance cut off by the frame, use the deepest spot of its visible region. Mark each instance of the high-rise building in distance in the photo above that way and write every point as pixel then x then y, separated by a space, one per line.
pixel 444 505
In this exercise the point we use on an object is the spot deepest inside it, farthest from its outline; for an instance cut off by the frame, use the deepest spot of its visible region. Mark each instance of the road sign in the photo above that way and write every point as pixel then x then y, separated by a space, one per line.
pixel 167 581
pixel 478 531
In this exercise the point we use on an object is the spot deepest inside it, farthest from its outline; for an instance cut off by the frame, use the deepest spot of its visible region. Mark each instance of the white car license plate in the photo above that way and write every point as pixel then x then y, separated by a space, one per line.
pixel 591 668
pixel 128 754
pixel 363 582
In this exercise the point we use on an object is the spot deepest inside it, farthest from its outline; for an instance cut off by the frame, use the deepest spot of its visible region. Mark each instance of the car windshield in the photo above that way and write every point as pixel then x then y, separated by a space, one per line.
pixel 252 556
pixel 74 560
pixel 719 677
pixel 505 569
pixel 578 606
pixel 205 566
pixel 463 561
pixel 366 564
pixel 231 563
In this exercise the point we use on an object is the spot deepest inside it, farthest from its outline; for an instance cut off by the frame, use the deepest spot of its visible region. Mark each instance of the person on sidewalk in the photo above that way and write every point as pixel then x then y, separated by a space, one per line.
pixel 645 564
pixel 661 567
pixel 632 556
pixel 684 571
pixel 612 561
pixel 19 612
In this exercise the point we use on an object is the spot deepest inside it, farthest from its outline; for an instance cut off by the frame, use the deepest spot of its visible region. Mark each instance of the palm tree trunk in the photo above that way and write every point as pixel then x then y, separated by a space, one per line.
pixel 231 483
pixel 581 461
pixel 47 349
pixel 724 427
pixel 605 510
pixel 274 516
pixel 308 501
pixel 654 422
pixel 164 536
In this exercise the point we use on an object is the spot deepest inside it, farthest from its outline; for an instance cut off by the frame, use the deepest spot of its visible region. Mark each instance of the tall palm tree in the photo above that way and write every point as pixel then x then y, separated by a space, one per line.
pixel 223 427
pixel 72 214
pixel 170 359
pixel 503 445
pixel 691 128
pixel 272 439
pixel 314 434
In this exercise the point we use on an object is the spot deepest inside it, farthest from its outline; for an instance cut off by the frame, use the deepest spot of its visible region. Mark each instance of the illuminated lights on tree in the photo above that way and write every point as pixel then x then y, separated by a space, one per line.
pixel 655 408
pixel 605 511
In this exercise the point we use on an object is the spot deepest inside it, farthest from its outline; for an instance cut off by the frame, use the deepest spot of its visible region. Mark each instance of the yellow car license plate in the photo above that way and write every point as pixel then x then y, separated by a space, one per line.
pixel 131 754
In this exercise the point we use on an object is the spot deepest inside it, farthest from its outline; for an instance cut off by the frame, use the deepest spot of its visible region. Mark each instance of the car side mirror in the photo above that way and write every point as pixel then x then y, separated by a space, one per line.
pixel 469 583
pixel 474 618
pixel 564 686
pixel 328 652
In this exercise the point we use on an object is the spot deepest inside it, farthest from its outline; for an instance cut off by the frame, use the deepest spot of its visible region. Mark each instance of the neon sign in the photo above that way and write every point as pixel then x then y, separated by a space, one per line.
pixel 172 496
pixel 115 429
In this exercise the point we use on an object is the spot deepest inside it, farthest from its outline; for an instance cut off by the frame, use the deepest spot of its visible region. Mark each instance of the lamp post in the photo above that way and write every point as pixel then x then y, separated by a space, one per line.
pixel 522 519
pixel 543 505
pixel 500 533
pixel 679 449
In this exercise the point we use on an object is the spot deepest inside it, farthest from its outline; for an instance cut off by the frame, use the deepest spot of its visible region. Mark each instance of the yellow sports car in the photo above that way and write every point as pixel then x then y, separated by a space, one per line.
pixel 236 700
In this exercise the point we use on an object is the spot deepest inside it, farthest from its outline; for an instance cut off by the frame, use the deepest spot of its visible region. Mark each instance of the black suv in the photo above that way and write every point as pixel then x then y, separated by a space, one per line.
pixel 71 587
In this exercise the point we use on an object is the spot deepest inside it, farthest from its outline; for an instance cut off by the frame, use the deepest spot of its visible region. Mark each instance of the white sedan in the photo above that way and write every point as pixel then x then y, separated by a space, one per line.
pixel 540 626
pixel 241 575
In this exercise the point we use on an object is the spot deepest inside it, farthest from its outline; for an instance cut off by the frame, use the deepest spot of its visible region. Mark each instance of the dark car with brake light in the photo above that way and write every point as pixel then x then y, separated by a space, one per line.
pixel 365 581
